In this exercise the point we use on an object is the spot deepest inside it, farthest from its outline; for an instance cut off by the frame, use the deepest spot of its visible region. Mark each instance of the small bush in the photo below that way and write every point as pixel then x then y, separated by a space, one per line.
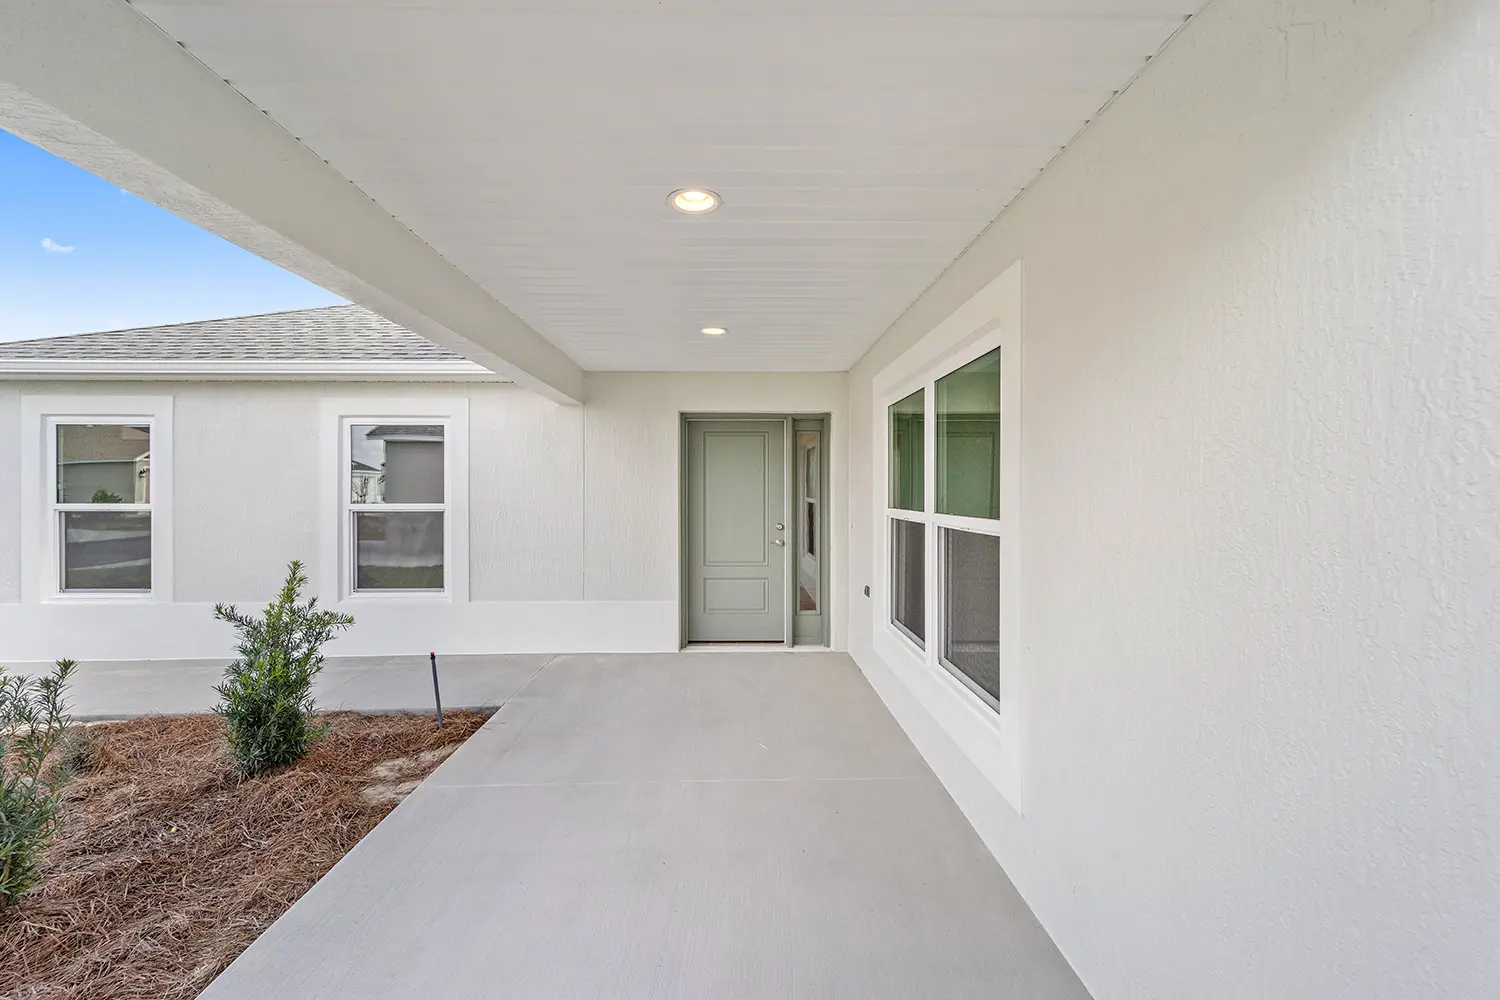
pixel 102 495
pixel 34 724
pixel 266 698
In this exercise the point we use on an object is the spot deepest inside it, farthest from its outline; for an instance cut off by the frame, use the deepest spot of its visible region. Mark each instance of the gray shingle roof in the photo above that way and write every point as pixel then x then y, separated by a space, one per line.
pixel 333 333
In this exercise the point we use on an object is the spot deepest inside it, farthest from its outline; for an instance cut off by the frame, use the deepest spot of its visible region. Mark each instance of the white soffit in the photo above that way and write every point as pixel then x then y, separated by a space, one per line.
pixel 859 146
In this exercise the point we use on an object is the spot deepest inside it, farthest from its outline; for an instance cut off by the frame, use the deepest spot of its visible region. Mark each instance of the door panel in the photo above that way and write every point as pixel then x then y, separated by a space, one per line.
pixel 735 482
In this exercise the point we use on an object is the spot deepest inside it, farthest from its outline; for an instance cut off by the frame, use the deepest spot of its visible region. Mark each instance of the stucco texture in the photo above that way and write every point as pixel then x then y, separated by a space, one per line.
pixel 1261 489
pixel 10 494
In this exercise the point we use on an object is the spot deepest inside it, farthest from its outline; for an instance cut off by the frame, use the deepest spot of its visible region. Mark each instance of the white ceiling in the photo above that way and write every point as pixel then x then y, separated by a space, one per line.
pixel 859 146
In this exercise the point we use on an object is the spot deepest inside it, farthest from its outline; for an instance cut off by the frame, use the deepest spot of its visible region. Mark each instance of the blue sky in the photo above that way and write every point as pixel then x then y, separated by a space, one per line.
pixel 78 254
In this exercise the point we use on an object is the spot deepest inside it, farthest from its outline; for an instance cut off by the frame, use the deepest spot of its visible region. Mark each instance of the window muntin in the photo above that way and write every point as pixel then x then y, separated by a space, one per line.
pixel 907 451
pixel 967 404
pixel 101 509
pixel 396 521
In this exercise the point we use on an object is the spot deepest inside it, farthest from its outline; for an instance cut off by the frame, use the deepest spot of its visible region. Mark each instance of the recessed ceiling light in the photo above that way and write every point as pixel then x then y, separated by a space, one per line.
pixel 713 331
pixel 693 201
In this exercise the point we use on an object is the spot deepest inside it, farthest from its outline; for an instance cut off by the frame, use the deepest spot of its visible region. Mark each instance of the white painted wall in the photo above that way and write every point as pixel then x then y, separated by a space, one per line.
pixel 10 494
pixel 1262 567
pixel 573 515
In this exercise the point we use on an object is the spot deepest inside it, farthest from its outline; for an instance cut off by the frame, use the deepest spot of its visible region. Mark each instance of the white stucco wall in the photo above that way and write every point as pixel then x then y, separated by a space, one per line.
pixel 573 515
pixel 1261 490
pixel 10 494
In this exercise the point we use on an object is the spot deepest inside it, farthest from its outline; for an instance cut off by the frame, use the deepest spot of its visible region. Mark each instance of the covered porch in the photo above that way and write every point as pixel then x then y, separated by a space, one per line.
pixel 688 825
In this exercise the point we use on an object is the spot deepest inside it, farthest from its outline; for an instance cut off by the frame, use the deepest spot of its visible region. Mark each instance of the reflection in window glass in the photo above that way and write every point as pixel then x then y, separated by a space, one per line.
pixel 106 550
pixel 398 550
pixel 968 439
pixel 809 478
pixel 396 463
pixel 906 457
pixel 971 609
pixel 103 463
pixel 909 577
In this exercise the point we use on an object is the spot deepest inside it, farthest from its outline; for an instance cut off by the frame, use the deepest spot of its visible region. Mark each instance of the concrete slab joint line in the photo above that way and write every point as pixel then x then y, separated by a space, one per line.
pixel 653 825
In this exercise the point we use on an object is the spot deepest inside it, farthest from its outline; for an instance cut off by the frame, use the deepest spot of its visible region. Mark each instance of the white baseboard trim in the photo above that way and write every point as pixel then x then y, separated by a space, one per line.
pixel 162 631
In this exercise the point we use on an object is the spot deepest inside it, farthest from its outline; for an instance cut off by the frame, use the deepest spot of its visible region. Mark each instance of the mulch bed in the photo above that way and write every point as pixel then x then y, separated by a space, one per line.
pixel 169 865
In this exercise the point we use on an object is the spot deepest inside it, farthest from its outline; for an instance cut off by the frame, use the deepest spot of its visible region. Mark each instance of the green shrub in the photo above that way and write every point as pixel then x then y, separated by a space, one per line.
pixel 102 495
pixel 266 698
pixel 34 723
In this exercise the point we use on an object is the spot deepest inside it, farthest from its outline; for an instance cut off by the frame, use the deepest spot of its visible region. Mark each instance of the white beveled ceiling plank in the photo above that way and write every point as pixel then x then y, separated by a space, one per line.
pixel 859 145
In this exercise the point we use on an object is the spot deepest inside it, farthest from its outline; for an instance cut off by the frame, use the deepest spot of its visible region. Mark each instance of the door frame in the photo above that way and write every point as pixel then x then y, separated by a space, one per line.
pixel 790 506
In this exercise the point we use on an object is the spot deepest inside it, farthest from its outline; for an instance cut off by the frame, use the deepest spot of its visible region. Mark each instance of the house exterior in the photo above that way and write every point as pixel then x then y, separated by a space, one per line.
pixel 1155 478
pixel 444 507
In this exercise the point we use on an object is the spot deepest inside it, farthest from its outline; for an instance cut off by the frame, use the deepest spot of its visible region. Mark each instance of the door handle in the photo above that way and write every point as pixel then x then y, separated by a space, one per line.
pixel 780 541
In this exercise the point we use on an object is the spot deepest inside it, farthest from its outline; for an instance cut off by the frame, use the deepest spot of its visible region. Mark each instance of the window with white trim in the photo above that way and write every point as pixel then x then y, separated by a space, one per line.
pixel 100 509
pixel 947 522
pixel 395 518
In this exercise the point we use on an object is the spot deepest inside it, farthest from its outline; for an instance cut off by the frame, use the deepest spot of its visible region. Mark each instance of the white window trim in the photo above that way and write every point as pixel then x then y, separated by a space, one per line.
pixel 336 569
pixel 41 556
pixel 993 738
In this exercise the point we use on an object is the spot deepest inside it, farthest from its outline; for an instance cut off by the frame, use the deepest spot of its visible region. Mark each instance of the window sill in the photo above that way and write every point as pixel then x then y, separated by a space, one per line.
pixel 377 596
pixel 131 597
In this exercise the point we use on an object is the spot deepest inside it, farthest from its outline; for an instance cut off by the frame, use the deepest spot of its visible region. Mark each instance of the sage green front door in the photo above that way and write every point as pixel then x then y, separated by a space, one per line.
pixel 735 567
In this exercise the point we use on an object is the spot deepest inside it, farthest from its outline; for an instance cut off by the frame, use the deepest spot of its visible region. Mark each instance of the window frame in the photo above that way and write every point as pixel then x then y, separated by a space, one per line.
pixel 42 515
pixel 337 579
pixel 990 734
pixel 1004 527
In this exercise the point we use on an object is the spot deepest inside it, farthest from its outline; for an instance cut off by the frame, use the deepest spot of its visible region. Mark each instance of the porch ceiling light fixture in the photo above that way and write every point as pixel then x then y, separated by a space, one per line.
pixel 694 201
pixel 713 331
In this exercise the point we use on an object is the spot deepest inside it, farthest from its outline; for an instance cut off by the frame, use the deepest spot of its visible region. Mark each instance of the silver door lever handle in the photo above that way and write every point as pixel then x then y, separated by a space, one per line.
pixel 780 541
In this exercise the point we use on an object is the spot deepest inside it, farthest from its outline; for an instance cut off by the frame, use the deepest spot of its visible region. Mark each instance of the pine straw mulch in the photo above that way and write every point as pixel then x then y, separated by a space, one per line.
pixel 168 865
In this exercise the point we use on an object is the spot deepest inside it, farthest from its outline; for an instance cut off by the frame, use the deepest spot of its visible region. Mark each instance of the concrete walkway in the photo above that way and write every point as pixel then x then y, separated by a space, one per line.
pixel 126 688
pixel 704 826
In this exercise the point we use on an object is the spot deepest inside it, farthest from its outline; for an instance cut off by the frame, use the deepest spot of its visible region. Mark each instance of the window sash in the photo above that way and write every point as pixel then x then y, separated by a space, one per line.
pixel 351 509
pixel 930 647
pixel 58 510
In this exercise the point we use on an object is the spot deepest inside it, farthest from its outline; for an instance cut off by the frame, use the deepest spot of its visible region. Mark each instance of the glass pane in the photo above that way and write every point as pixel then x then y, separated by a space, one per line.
pixel 809 475
pixel 971 608
pixel 106 550
pixel 907 418
pixel 398 551
pixel 103 463
pixel 968 439
pixel 909 576
pixel 396 463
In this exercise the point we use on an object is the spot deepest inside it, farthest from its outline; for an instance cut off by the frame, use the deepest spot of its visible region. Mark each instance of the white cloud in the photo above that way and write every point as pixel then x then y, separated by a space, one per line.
pixel 51 246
